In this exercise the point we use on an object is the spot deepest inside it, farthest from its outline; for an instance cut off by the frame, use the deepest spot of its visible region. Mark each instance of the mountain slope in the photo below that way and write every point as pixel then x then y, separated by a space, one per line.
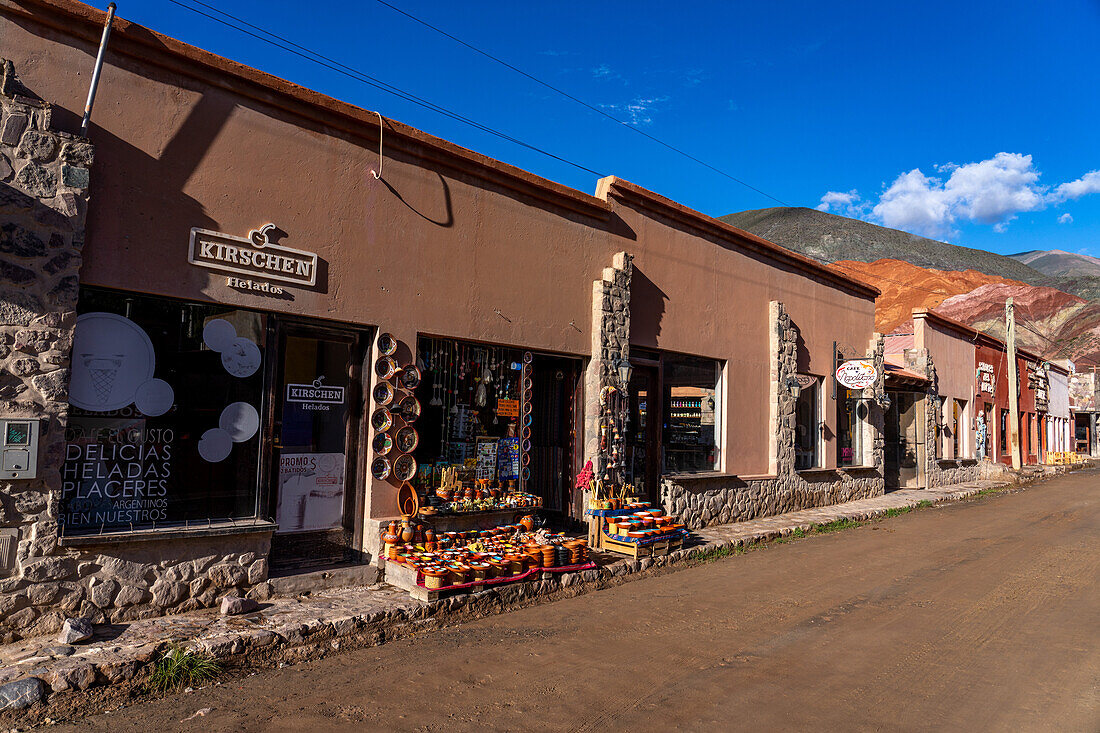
pixel 1059 263
pixel 905 286
pixel 831 238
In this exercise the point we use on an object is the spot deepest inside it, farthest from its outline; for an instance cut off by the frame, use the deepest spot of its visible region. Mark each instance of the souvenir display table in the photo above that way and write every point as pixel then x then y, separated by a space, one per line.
pixel 430 565
pixel 635 529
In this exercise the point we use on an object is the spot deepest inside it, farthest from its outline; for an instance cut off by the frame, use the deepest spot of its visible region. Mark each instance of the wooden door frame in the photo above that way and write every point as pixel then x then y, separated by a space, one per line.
pixel 359 339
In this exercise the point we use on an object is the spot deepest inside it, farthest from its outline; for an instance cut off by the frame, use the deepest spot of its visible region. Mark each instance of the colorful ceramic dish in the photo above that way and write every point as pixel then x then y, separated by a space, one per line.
pixel 383 393
pixel 410 377
pixel 385 367
pixel 407 439
pixel 382 443
pixel 404 468
pixel 387 345
pixel 380 468
pixel 409 408
pixel 381 420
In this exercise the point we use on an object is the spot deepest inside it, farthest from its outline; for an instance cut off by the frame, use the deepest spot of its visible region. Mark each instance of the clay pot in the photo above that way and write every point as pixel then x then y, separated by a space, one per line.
pixel 480 570
pixel 429 535
pixel 528 523
pixel 407 532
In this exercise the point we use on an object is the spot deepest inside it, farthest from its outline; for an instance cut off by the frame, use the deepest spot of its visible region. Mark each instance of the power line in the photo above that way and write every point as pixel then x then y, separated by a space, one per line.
pixel 581 102
pixel 355 74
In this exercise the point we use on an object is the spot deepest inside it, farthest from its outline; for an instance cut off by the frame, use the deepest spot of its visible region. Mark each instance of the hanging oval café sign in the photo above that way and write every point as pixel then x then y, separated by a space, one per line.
pixel 856 374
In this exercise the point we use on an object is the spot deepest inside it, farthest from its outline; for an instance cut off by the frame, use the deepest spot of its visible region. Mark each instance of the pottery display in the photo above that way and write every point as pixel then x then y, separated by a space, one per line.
pixel 410 377
pixel 385 367
pixel 404 468
pixel 380 468
pixel 383 393
pixel 387 344
pixel 407 439
pixel 381 420
pixel 382 443
pixel 409 408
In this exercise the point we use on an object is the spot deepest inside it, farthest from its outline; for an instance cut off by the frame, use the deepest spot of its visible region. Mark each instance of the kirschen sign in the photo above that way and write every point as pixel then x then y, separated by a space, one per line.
pixel 316 393
pixel 253 255
pixel 856 374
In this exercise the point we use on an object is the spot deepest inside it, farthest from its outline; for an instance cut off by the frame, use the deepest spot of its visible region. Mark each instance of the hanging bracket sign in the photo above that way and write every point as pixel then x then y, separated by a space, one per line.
pixel 253 255
pixel 856 374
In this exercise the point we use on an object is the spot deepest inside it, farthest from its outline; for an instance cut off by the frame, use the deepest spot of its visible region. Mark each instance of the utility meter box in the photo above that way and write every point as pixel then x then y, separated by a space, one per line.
pixel 18 448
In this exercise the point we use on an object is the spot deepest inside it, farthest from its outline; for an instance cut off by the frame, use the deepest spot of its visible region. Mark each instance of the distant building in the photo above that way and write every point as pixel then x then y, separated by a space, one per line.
pixel 1084 404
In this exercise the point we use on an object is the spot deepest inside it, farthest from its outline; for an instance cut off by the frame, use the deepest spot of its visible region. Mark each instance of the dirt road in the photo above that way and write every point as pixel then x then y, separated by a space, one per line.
pixel 983 615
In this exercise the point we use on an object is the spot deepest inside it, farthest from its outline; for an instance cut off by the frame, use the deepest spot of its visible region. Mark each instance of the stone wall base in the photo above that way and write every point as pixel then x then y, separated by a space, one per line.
pixel 706 501
pixel 124 582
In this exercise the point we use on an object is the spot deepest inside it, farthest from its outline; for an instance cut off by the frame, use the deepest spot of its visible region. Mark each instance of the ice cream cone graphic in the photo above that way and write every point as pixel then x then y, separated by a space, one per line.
pixel 102 371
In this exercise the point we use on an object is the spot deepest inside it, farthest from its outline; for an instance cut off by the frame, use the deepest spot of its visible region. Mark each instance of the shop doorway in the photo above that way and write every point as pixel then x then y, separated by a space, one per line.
pixel 1082 434
pixel 904 441
pixel 553 431
pixel 314 441
pixel 642 462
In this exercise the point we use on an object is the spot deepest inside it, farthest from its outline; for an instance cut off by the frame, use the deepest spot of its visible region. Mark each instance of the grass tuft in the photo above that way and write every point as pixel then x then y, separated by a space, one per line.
pixel 180 668
pixel 717 553
pixel 836 525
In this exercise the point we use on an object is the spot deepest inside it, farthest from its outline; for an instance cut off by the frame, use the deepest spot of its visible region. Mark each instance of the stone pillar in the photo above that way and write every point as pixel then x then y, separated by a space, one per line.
pixel 43 201
pixel 875 394
pixel 783 342
pixel 610 344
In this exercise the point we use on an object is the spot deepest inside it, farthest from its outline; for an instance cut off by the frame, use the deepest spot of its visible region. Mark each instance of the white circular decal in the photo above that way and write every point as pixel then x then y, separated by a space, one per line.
pixel 155 397
pixel 112 357
pixel 218 334
pixel 215 445
pixel 240 421
pixel 241 357
pixel 856 374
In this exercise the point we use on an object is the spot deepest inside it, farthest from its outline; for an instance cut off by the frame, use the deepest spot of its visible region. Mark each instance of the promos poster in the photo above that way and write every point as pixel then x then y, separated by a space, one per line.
pixel 486 459
pixel 311 491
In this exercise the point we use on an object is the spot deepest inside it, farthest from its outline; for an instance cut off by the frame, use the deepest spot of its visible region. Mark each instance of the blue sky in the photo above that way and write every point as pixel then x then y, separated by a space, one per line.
pixel 973 122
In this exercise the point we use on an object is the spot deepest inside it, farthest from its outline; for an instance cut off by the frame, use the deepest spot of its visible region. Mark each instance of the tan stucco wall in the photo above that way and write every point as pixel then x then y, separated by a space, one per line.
pixel 712 300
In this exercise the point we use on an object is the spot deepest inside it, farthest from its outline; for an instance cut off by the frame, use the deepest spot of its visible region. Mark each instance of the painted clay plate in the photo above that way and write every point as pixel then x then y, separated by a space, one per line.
pixel 404 468
pixel 380 468
pixel 381 420
pixel 382 443
pixel 410 377
pixel 385 367
pixel 407 439
pixel 383 393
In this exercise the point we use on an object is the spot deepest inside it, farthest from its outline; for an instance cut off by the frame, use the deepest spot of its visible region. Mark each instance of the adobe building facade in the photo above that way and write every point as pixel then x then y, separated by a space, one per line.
pixel 239 344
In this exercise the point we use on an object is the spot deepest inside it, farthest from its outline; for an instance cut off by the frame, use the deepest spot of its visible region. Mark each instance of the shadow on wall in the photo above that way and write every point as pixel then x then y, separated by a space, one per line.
pixel 802 352
pixel 647 309
pixel 446 218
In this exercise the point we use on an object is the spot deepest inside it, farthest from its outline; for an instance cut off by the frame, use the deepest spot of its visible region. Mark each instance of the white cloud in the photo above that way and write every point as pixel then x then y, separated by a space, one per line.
pixel 603 71
pixel 847 203
pixel 992 192
pixel 1065 218
pixel 637 111
pixel 1086 184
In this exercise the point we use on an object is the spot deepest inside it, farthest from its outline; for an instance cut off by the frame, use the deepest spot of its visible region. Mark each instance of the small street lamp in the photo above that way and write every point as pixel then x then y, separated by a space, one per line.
pixel 625 369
